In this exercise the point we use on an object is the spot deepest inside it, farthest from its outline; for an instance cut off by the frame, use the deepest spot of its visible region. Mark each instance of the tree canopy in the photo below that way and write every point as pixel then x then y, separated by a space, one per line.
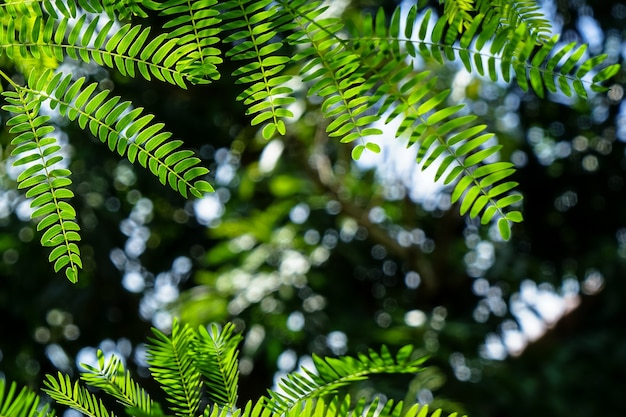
pixel 338 176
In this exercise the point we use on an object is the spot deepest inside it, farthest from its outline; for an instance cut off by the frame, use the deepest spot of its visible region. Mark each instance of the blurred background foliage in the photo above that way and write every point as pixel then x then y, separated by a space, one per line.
pixel 310 252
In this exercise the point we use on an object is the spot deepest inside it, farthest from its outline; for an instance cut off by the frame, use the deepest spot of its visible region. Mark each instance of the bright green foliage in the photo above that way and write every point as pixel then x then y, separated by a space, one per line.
pixel 64 392
pixel 335 73
pixel 521 13
pixel 333 373
pixel 38 151
pixel 172 365
pixel 194 28
pixel 458 12
pixel 511 15
pixel 506 50
pixel 125 130
pixel 253 25
pixel 112 378
pixel 179 360
pixel 190 364
pixel 365 74
pixel 127 49
pixel 87 30
pixel 23 404
pixel 445 134
pixel 71 8
pixel 216 357
pixel 344 406
pixel 370 70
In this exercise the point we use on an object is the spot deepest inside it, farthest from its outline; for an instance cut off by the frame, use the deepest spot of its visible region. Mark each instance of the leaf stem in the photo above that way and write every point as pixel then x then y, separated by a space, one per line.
pixel 9 80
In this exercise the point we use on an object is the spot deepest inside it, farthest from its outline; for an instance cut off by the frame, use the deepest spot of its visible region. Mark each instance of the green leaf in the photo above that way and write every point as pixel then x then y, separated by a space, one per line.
pixel 172 364
pixel 515 216
pixel 374 147
pixel 459 189
pixel 357 151
pixel 606 73
pixel 504 228
pixel 469 198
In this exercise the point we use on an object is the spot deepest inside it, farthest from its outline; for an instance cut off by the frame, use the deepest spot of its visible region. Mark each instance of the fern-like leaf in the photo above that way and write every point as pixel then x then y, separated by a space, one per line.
pixel 344 406
pixel 216 358
pixel 47 185
pixel 122 9
pixel 194 23
pixel 484 47
pixel 333 373
pixel 125 130
pixel 14 8
pixel 126 9
pixel 254 25
pixel 129 48
pixel 55 8
pixel 173 366
pixel 217 411
pixel 447 136
pixel 335 73
pixel 63 391
pixel 174 361
pixel 444 134
pixel 513 14
pixel 255 409
pixel 111 377
pixel 24 403
pixel 459 146
pixel 458 12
